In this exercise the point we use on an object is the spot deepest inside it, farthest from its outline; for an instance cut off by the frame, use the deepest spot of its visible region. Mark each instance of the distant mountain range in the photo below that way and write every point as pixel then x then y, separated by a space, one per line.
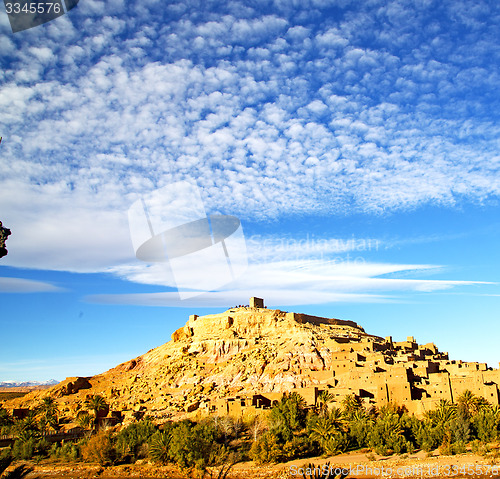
pixel 27 384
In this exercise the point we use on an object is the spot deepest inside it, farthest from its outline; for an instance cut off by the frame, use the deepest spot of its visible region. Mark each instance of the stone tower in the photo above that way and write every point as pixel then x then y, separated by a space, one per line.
pixel 256 302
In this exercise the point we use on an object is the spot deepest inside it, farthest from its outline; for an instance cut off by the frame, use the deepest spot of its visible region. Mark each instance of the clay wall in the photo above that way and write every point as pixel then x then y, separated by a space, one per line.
pixel 399 392
pixel 437 386
pixel 309 394
pixel 419 408
pixel 423 368
pixel 429 348
pixel 340 355
pixel 492 376
pixel 342 366
pixel 305 318
pixel 364 346
pixel 405 345
pixel 476 385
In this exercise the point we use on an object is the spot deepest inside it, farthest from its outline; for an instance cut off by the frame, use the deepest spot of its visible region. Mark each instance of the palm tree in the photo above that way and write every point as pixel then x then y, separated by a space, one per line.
pixel 495 410
pixel 5 421
pixel 337 418
pixel 323 401
pixel 47 411
pixel 481 404
pixel 328 430
pixel 351 404
pixel 470 404
pixel 83 419
pixel 96 403
pixel 27 428
pixel 323 429
pixel 159 446
pixel 445 412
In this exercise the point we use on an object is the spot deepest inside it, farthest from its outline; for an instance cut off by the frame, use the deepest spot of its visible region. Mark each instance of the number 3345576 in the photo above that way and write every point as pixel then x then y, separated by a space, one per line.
pixel 33 7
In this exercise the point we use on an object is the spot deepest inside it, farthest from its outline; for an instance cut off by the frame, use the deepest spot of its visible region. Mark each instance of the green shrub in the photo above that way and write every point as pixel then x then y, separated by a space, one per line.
pixel 359 430
pixel 5 421
pixel 336 444
pixel 287 416
pixel 196 445
pixel 486 425
pixel 446 449
pixel 460 428
pixel 159 447
pixel 392 432
pixel 24 450
pixel 429 437
pixel 132 441
pixel 299 446
pixel 459 447
pixel 480 448
pixel 65 451
pixel 266 449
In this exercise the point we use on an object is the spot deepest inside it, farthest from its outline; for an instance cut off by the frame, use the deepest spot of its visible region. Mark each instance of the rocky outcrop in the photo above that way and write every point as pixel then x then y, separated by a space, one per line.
pixel 71 386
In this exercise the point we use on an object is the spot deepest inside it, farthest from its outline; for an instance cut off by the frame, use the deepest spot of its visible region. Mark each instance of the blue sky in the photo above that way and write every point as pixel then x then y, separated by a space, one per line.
pixel 357 143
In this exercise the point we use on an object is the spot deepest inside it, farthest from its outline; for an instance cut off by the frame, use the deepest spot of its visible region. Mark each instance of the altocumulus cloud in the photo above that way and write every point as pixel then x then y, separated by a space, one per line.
pixel 273 108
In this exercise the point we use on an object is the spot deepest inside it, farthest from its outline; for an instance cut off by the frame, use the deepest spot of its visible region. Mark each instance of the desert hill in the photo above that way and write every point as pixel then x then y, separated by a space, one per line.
pixel 246 357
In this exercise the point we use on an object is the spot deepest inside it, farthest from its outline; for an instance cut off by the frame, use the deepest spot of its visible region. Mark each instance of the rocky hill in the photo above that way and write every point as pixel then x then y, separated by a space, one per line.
pixel 246 357
pixel 243 350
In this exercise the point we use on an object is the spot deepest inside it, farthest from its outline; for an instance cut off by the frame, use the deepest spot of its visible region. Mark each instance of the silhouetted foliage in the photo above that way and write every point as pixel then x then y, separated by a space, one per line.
pixel 18 472
pixel 4 234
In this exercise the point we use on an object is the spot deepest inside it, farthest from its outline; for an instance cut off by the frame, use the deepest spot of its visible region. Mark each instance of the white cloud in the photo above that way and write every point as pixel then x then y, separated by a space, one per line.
pixel 269 115
pixel 222 299
pixel 306 273
pixel 20 285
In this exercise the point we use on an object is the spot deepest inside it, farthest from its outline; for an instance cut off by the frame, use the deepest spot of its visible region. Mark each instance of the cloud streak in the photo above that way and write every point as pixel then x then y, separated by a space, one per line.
pixel 300 282
pixel 20 285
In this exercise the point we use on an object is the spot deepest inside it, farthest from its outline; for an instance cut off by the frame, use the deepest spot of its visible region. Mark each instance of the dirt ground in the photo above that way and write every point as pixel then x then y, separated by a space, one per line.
pixel 356 464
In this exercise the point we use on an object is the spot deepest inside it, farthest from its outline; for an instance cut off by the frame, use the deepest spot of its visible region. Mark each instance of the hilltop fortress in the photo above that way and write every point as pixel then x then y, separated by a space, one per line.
pixel 243 360
pixel 376 370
